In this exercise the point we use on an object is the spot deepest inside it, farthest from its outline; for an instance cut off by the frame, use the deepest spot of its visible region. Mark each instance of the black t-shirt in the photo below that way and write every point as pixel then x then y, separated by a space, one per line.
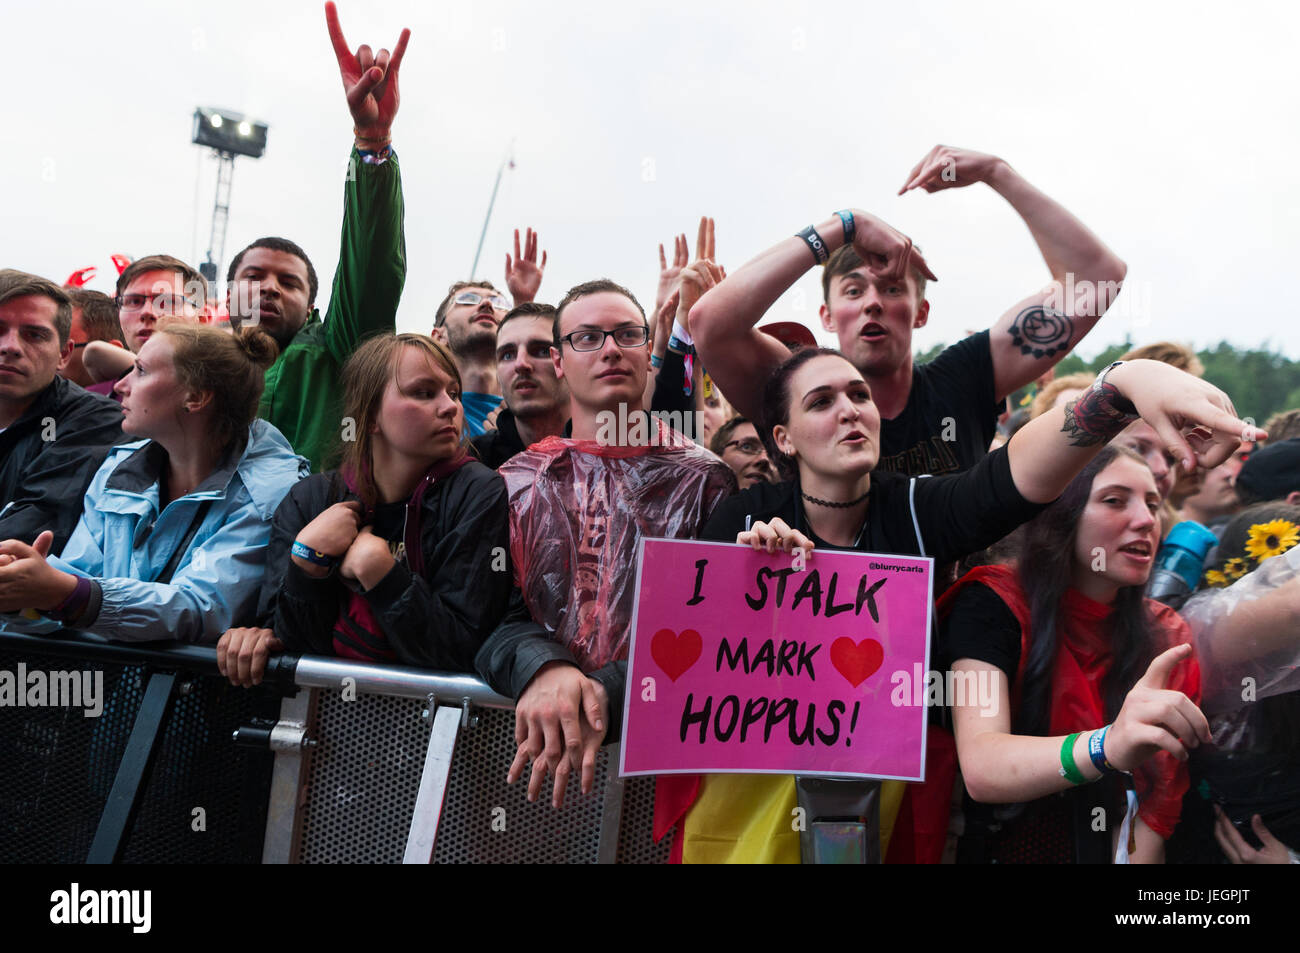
pixel 958 514
pixel 981 626
pixel 951 413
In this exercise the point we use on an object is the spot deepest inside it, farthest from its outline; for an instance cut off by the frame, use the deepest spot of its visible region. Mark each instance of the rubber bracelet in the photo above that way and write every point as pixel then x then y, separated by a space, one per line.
pixel 315 557
pixel 74 605
pixel 815 243
pixel 1069 770
pixel 656 360
pixel 1097 752
pixel 846 219
pixel 677 344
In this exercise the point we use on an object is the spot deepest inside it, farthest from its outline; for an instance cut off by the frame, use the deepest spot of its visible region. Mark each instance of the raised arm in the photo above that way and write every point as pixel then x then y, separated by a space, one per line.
pixel 1040 330
pixel 1195 420
pixel 724 322
pixel 372 256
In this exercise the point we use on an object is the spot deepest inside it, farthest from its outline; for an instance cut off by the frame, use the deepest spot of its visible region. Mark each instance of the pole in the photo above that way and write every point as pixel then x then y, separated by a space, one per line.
pixel 473 270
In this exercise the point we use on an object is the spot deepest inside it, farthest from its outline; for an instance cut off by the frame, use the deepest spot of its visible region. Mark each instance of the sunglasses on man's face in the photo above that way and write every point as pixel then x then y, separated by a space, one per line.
pixel 473 297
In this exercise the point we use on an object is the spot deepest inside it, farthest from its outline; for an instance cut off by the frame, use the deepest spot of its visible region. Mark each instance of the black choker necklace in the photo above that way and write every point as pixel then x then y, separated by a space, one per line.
pixel 833 504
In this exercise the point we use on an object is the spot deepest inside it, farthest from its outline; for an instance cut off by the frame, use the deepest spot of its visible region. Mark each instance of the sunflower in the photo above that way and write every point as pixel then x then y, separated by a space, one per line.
pixel 1236 567
pixel 1272 539
pixel 1215 578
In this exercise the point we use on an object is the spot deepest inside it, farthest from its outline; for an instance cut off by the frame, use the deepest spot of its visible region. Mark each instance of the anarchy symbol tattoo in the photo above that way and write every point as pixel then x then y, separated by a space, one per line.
pixel 1041 331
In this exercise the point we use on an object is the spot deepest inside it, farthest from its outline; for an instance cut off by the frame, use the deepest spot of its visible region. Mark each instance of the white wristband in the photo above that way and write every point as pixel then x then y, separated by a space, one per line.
pixel 682 334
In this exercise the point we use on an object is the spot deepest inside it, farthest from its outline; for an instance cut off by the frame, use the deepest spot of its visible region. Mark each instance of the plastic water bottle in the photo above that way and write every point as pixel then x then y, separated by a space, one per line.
pixel 1179 563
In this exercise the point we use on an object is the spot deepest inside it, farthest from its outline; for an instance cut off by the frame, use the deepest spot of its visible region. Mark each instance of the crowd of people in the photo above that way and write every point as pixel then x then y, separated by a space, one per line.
pixel 473 499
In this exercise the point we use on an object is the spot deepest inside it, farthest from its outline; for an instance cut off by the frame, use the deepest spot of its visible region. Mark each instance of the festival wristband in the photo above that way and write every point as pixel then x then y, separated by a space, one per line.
pixel 1120 403
pixel 1097 752
pixel 681 334
pixel 677 344
pixel 815 244
pixel 1069 770
pixel 73 606
pixel 315 557
pixel 656 360
pixel 846 219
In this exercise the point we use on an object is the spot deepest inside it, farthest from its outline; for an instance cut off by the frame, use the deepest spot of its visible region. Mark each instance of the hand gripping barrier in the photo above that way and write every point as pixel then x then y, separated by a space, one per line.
pixel 327 761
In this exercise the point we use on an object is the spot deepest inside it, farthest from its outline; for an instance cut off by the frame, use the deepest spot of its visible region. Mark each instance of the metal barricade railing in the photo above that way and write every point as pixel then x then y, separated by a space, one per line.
pixel 329 761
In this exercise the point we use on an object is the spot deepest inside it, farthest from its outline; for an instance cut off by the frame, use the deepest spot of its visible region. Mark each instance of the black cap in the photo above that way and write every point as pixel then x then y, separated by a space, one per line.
pixel 1272 471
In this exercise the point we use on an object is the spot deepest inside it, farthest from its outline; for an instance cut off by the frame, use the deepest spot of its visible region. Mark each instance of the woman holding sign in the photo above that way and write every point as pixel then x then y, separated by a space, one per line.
pixel 823 431
pixel 1104 683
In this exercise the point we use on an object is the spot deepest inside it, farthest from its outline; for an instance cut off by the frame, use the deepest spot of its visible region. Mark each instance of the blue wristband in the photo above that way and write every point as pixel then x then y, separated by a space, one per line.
pixel 677 344
pixel 1097 752
pixel 846 219
pixel 656 360
pixel 815 244
pixel 312 556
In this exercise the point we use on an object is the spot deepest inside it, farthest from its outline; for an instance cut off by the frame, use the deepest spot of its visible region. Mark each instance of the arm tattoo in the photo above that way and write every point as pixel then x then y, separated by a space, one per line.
pixel 1041 332
pixel 1098 414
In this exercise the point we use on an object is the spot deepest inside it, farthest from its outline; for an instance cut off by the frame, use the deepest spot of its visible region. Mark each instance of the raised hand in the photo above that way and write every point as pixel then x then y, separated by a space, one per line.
pixel 885 249
pixel 524 274
pixel 1155 718
pixel 668 273
pixel 704 241
pixel 696 278
pixel 1195 420
pixel 947 168
pixel 370 81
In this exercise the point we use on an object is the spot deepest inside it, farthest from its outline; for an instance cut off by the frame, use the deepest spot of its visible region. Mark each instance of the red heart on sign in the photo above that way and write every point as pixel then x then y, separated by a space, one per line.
pixel 856 662
pixel 676 653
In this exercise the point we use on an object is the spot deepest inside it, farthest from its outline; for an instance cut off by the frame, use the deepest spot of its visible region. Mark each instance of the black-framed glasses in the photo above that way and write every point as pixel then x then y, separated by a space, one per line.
pixel 750 446
pixel 473 297
pixel 162 303
pixel 593 339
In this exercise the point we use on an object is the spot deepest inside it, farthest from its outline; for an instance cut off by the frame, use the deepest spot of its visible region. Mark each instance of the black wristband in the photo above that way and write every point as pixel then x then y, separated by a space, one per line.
pixel 846 219
pixel 815 243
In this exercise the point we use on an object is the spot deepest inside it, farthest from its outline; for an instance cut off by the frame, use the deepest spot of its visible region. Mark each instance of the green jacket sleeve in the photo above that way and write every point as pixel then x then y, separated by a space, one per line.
pixel 372 257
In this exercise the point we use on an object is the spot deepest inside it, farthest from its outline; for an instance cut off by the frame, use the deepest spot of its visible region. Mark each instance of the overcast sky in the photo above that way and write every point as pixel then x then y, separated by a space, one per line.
pixel 1169 128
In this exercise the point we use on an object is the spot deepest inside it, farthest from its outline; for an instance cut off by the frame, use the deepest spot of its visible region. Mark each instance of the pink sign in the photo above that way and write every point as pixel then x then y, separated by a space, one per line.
pixel 745 662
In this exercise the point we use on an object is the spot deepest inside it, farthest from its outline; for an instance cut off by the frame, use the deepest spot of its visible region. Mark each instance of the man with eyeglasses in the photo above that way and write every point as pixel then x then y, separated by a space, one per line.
pixel 578 509
pixel 53 434
pixel 536 401
pixel 737 443
pixel 466 322
pixel 149 290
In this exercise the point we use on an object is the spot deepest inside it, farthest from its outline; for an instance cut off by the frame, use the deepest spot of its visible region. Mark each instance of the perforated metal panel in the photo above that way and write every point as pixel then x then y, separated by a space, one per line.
pixel 57 767
pixel 365 773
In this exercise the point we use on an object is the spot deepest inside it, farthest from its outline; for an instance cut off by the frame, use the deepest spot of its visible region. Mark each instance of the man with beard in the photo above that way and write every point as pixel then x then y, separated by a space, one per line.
pixel 536 401
pixel 466 322
pixel 272 282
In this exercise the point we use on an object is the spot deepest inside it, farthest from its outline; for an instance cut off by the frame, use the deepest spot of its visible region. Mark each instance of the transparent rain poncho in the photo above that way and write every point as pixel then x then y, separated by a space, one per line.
pixel 1248 635
pixel 578 510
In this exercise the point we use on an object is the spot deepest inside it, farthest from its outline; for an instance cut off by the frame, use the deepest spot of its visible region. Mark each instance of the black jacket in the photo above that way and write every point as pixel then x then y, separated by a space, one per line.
pixel 497 446
pixel 435 620
pixel 48 458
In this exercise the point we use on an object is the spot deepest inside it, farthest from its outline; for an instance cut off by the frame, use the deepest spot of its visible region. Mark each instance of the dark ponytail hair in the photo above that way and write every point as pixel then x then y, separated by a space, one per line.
pixel 775 407
pixel 1046 567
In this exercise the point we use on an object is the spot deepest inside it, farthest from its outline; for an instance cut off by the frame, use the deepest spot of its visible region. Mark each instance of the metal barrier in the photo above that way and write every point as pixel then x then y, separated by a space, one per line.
pixel 357 763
